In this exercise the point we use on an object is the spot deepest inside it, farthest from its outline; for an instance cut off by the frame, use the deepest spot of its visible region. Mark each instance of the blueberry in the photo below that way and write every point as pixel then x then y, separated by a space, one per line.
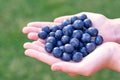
pixel 65 39
pixel 46 29
pixel 62 48
pixel 52 34
pixel 87 23
pixel 77 34
pixel 69 48
pixel 77 57
pixel 90 47
pixel 86 38
pixel 92 31
pixel 83 50
pixel 54 28
pixel 59 43
pixel 99 40
pixel 57 52
pixel 67 30
pixel 66 56
pixel 51 40
pixel 74 42
pixel 73 19
pixel 81 44
pixel 49 47
pixel 60 27
pixel 42 34
pixel 66 22
pixel 78 24
pixel 58 34
pixel 83 17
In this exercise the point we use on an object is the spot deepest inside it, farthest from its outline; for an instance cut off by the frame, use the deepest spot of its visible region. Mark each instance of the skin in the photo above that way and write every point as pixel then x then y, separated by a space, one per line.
pixel 104 56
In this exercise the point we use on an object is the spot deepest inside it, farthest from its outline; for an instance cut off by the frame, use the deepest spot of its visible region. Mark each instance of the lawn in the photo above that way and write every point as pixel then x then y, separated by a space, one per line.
pixel 15 14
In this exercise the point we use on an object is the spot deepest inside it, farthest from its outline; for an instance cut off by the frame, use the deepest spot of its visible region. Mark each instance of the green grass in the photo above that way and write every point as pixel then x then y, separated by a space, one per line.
pixel 15 14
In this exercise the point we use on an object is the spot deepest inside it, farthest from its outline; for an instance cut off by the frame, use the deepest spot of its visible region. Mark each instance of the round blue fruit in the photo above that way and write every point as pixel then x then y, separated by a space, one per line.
pixel 78 24
pixel 77 34
pixel 57 52
pixel 92 31
pixel 77 57
pixel 87 23
pixel 81 44
pixel 99 40
pixel 62 48
pixel 54 28
pixel 51 40
pixel 58 34
pixel 75 42
pixel 65 39
pixel 46 29
pixel 82 17
pixel 69 48
pixel 73 19
pixel 68 30
pixel 86 38
pixel 83 50
pixel 52 34
pixel 59 43
pixel 66 22
pixel 42 34
pixel 90 47
pixel 66 56
pixel 49 47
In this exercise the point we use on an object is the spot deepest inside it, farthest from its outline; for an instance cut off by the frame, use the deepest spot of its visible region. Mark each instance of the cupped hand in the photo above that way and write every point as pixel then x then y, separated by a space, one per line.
pixel 99 21
pixel 102 57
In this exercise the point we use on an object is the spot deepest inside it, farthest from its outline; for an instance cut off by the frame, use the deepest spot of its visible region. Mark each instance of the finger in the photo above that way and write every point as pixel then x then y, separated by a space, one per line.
pixel 27 30
pixel 33 36
pixel 61 19
pixel 71 74
pixel 95 60
pixel 39 55
pixel 41 24
pixel 39 42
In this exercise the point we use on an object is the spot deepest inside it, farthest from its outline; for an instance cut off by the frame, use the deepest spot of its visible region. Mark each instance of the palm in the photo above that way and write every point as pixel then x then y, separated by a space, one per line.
pixel 36 48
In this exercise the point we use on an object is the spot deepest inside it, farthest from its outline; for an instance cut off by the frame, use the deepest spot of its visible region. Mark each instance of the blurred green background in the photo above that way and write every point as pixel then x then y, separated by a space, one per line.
pixel 15 14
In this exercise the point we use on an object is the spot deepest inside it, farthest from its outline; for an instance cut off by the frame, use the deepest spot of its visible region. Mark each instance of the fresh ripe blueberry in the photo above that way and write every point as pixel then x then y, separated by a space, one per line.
pixel 78 24
pixel 59 43
pixel 74 52
pixel 83 50
pixel 60 27
pixel 69 48
pixel 42 34
pixel 62 48
pixel 83 17
pixel 90 47
pixel 52 34
pixel 74 18
pixel 58 34
pixel 81 44
pixel 77 57
pixel 54 28
pixel 65 39
pixel 99 40
pixel 67 30
pixel 66 56
pixel 92 31
pixel 51 40
pixel 75 42
pixel 49 47
pixel 87 23
pixel 86 38
pixel 66 22
pixel 77 34
pixel 57 52
pixel 46 29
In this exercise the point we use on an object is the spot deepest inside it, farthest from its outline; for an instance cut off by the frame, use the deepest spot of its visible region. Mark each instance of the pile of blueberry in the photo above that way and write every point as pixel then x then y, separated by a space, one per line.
pixel 72 40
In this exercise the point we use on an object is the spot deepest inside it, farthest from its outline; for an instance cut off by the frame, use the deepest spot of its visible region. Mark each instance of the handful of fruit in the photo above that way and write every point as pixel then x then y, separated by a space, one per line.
pixel 73 39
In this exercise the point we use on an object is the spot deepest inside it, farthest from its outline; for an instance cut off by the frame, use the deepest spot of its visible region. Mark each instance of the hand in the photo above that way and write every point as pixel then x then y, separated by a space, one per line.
pixel 105 56
pixel 102 55
pixel 99 21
